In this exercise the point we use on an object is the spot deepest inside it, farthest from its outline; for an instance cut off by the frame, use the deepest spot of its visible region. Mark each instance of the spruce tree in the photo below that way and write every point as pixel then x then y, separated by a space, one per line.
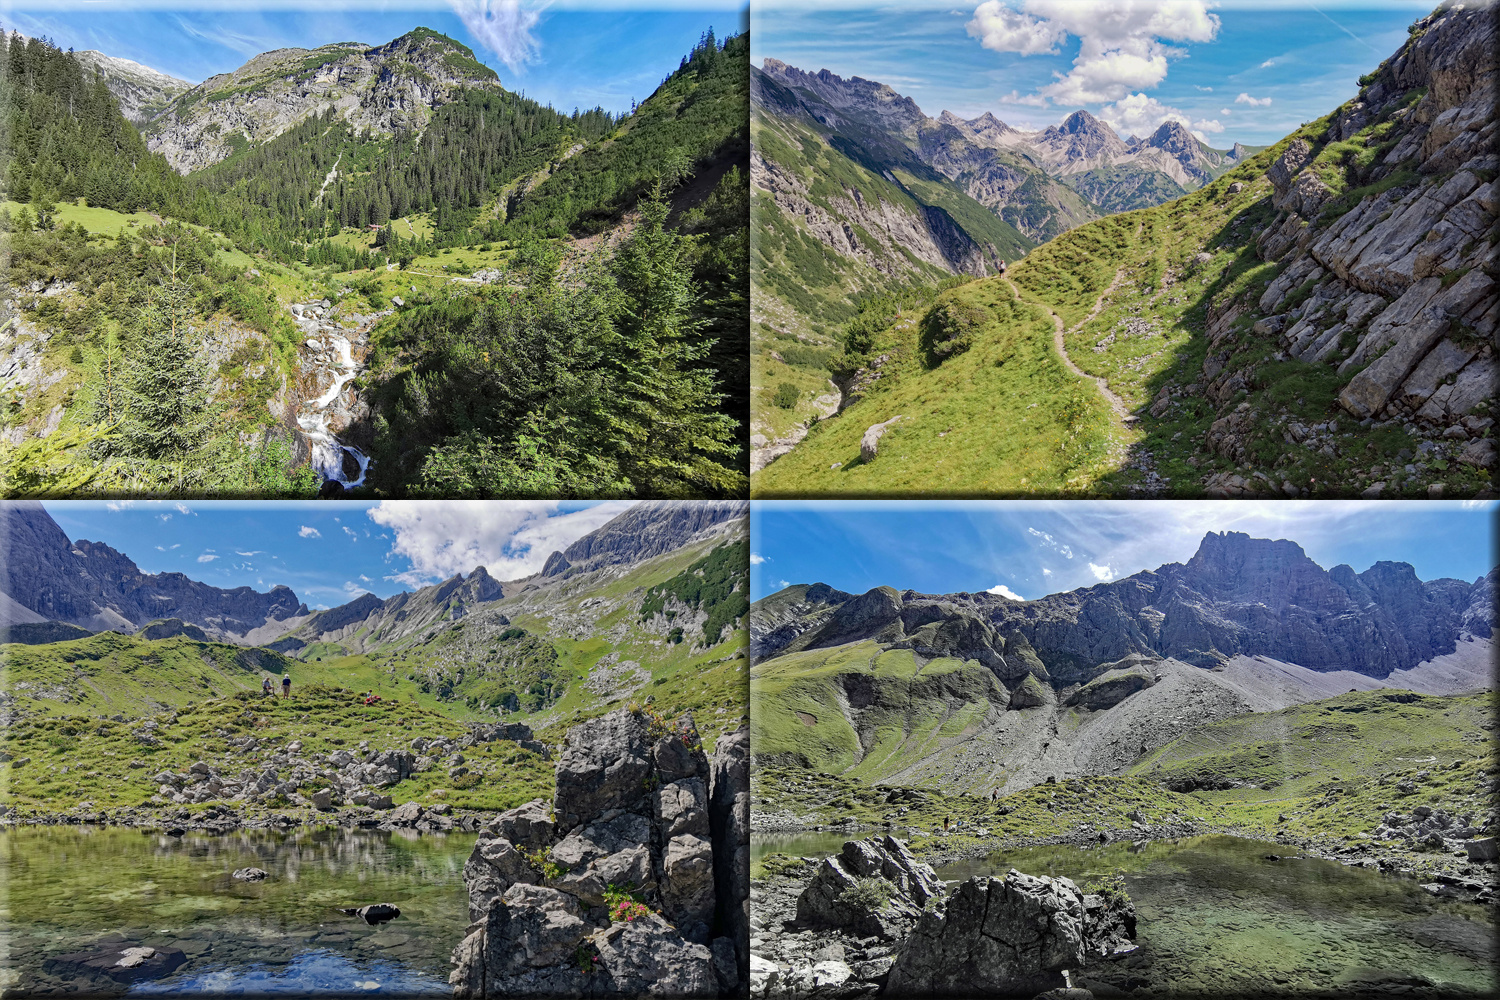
pixel 165 385
pixel 664 415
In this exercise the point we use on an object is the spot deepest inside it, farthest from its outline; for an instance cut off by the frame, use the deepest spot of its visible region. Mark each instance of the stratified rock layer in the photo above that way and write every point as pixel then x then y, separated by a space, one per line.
pixel 638 809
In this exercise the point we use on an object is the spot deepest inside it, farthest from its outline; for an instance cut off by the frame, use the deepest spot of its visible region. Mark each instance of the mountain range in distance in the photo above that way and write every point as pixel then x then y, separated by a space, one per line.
pixel 49 581
pixel 978 691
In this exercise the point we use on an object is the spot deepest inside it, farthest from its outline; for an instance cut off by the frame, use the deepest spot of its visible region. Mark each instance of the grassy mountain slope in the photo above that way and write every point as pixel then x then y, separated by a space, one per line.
pixel 1260 332
pixel 1003 416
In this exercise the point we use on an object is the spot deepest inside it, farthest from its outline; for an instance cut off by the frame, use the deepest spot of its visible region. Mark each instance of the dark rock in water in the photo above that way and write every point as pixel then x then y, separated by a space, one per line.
pixel 331 489
pixel 832 898
pixel 123 963
pixel 175 831
pixel 1009 936
pixel 349 466
pixel 631 810
pixel 250 875
pixel 375 913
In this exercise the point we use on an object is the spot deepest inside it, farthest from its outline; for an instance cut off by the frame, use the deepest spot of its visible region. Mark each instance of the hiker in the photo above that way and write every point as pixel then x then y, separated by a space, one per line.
pixel 945 824
pixel 286 685
pixel 265 686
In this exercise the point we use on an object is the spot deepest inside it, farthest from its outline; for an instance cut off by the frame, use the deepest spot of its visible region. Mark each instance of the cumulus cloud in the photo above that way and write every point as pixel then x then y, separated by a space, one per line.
pixel 1122 43
pixel 756 559
pixel 1004 30
pixel 504 27
pixel 305 532
pixel 1005 591
pixel 510 538
pixel 1102 573
pixel 207 557
pixel 1254 102
pixel 1142 114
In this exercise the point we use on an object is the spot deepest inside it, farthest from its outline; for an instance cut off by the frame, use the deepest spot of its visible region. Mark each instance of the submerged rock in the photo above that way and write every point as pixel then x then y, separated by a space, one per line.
pixel 250 875
pixel 123 963
pixel 375 913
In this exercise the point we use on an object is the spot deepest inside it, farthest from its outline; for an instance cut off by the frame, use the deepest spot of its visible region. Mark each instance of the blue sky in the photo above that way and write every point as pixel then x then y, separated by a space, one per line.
pixel 330 552
pixel 567 53
pixel 1233 72
pixel 1035 548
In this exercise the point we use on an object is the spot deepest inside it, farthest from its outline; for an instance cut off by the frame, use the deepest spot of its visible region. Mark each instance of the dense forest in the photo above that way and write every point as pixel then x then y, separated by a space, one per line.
pixel 616 371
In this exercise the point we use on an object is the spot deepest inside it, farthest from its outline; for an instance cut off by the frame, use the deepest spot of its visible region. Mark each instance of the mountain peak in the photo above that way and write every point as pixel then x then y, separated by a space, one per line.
pixel 1085 123
pixel 1174 138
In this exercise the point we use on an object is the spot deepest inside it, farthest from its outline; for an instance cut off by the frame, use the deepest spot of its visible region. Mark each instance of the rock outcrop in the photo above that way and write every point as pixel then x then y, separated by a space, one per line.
pixel 1009 937
pixel 872 888
pixel 633 813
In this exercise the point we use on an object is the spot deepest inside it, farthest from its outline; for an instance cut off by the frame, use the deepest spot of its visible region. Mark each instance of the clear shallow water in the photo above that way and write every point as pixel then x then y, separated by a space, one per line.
pixel 75 889
pixel 1217 918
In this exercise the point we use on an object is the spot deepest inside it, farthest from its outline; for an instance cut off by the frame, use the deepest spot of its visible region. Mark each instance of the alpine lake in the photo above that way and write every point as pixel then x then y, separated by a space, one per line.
pixel 1216 916
pixel 72 891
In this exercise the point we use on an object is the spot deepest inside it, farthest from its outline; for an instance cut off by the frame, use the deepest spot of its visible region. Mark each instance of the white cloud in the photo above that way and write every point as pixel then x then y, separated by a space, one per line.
pixel 1001 29
pixel 183 509
pixel 1267 64
pixel 1005 591
pixel 305 532
pixel 502 26
pixel 1206 90
pixel 351 532
pixel 1051 543
pixel 207 557
pixel 756 559
pixel 1046 571
pixel 1122 43
pixel 510 538
pixel 1102 573
pixel 1225 111
pixel 366 579
pixel 1255 102
pixel 782 584
pixel 247 555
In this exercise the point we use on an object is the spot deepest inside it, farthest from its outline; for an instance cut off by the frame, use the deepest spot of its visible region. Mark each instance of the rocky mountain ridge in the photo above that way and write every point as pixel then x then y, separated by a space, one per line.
pixel 47 577
pixel 384 89
pixel 1237 596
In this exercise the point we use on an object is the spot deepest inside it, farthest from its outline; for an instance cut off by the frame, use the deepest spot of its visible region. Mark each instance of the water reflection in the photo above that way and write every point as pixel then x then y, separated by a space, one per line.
pixel 74 890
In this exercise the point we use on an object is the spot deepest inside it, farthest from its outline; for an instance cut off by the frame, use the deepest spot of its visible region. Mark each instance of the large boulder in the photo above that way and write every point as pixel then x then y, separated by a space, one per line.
pixel 1011 936
pixel 871 888
pixel 634 811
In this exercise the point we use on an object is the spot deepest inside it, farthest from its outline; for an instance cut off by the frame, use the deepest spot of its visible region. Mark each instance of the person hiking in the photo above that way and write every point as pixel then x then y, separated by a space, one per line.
pixel 286 685
pixel 265 686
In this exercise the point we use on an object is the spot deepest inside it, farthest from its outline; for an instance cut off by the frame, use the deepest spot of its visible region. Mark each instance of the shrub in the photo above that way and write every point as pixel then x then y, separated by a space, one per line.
pixel 948 328
pixel 786 396
pixel 867 894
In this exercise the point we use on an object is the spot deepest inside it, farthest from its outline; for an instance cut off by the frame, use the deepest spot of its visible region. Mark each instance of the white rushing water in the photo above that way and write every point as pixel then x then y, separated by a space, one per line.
pixel 327 451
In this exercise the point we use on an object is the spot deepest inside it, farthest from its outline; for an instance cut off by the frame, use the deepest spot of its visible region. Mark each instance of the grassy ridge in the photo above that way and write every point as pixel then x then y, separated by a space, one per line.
pixel 75 756
pixel 1003 417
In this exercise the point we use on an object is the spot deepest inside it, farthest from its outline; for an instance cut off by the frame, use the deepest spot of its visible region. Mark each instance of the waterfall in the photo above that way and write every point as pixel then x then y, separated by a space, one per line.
pixel 328 453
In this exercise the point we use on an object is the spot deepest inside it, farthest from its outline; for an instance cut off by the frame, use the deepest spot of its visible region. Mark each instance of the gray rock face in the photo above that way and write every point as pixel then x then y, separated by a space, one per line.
pixel 1009 937
pixel 729 823
pixel 637 808
pixel 1237 595
pixel 648 529
pixel 831 899
pixel 93 586
pixel 383 88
